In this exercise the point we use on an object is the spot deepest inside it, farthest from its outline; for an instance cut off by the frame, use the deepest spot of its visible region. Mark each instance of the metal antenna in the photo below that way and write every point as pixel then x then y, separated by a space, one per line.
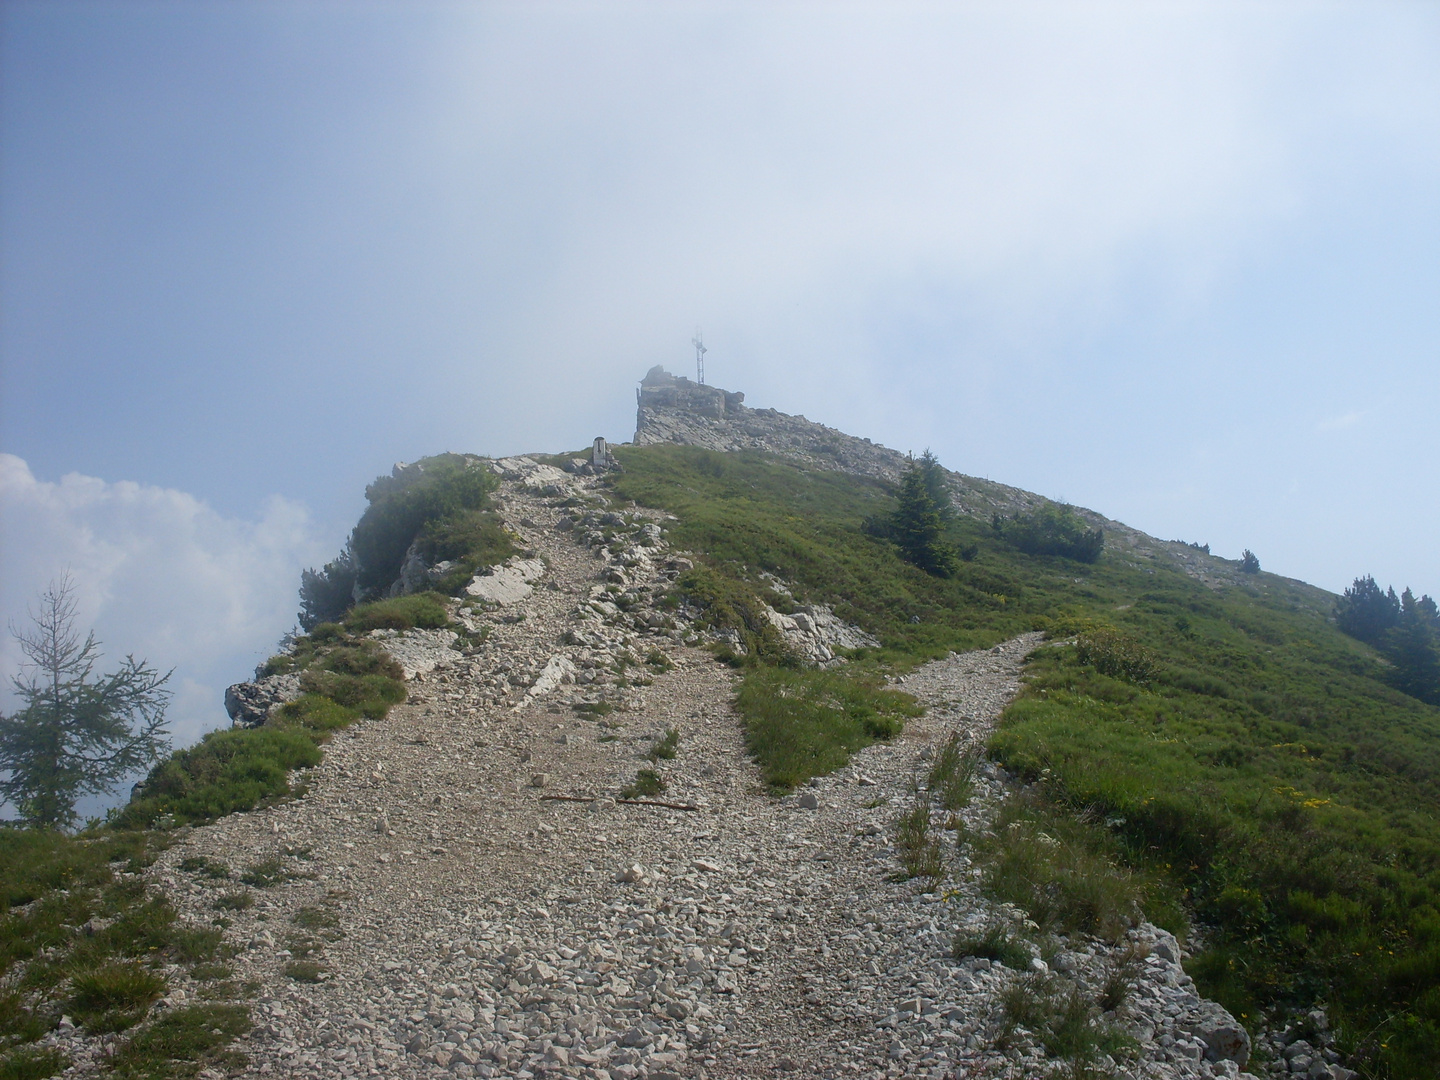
pixel 699 342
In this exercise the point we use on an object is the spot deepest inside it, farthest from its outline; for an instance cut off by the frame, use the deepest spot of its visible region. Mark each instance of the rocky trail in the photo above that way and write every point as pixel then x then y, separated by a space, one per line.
pixel 463 921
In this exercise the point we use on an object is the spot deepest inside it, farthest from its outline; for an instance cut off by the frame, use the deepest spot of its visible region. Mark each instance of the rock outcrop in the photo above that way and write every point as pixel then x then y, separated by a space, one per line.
pixel 250 704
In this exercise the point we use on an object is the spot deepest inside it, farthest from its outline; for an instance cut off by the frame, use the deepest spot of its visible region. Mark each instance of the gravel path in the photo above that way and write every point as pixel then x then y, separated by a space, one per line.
pixel 469 924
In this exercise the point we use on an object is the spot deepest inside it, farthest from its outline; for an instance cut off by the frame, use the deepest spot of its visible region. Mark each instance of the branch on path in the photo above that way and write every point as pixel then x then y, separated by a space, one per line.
pixel 622 802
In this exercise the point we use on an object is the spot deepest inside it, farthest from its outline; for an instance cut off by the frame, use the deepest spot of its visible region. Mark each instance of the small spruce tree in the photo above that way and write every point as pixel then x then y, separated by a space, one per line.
pixel 78 733
pixel 918 528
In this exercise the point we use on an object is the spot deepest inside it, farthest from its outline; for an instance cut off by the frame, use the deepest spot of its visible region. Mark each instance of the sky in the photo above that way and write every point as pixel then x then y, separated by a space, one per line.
pixel 1179 263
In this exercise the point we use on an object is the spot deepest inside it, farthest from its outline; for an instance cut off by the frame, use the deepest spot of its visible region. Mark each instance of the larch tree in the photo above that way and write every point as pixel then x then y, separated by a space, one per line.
pixel 77 733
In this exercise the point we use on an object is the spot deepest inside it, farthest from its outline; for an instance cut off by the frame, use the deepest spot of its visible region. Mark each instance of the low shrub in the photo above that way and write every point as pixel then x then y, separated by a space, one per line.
pixel 226 771
pixel 182 1042
pixel 266 873
pixel 1115 653
pixel 1051 530
pixel 242 768
pixel 1049 864
pixel 32 1063
pixel 304 971
pixel 952 773
pixel 647 784
pixel 1063 1020
pixel 236 900
pixel 213 869
pixel 114 997
pixel 726 603
pixel 665 747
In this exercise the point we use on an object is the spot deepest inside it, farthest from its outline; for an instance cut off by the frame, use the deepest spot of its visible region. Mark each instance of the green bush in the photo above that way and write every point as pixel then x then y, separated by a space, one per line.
pixel 433 490
pixel 1063 1019
pixel 32 1063
pixel 727 603
pixel 647 784
pixel 182 1042
pixel 1051 530
pixel 952 773
pixel 918 850
pixel 226 771
pixel 1115 653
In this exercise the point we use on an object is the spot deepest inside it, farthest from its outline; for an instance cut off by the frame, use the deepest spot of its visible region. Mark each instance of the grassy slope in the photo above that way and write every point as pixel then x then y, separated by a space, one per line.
pixel 52 883
pixel 1266 773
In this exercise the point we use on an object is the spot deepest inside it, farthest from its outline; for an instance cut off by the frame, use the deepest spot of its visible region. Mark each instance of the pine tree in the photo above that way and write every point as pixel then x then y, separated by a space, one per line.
pixel 77 734
pixel 1365 612
pixel 936 485
pixel 918 528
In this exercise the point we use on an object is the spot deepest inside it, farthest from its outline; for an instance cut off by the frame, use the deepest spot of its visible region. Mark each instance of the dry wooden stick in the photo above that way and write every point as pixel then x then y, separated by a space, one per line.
pixel 625 802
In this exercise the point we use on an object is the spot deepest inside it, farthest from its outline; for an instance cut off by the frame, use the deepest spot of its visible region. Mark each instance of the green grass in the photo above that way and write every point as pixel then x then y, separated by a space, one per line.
pixel 952 773
pixel 78 938
pixel 304 971
pixel 343 679
pixel 32 1063
pixel 425 611
pixel 995 942
pixel 1059 871
pixel 800 724
pixel 267 873
pixel 1063 1019
pixel 1246 761
pixel 918 849
pixel 182 1042
pixel 114 997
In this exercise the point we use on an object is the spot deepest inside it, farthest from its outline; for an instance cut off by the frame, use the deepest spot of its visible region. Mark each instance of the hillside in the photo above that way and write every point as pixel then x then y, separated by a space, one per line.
pixel 661 760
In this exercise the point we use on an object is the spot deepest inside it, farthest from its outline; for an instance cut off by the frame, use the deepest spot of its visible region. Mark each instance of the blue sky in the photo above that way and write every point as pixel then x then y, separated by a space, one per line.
pixel 1178 263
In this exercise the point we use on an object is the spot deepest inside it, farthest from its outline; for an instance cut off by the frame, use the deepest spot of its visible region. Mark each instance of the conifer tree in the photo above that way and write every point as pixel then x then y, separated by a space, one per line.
pixel 918 528
pixel 78 733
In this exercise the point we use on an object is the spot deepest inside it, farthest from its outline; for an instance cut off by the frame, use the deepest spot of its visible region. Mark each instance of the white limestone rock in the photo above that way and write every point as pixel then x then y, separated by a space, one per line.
pixel 557 670
pixel 418 652
pixel 507 584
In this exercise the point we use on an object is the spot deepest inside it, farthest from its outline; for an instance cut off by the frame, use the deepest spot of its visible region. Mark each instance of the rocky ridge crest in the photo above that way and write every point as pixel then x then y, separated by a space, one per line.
pixel 493 908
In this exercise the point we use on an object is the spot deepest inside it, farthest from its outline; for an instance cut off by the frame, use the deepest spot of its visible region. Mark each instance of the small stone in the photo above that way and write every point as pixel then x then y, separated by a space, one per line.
pixel 540 780
pixel 808 800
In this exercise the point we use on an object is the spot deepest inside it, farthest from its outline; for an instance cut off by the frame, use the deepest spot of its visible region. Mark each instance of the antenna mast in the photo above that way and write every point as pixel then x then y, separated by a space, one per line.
pixel 699 342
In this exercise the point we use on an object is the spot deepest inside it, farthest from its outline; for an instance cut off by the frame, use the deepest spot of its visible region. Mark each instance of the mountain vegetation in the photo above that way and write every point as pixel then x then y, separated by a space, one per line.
pixel 1237 754
pixel 439 506
pixel 1260 770
pixel 1404 630
pixel 1051 530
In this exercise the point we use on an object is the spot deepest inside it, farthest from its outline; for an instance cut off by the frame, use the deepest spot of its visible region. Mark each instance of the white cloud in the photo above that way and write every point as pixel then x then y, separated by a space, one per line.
pixel 159 574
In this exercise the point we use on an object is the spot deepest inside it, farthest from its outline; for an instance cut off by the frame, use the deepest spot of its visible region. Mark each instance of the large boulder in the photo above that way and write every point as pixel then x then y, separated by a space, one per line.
pixel 1224 1037
pixel 508 584
pixel 250 704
